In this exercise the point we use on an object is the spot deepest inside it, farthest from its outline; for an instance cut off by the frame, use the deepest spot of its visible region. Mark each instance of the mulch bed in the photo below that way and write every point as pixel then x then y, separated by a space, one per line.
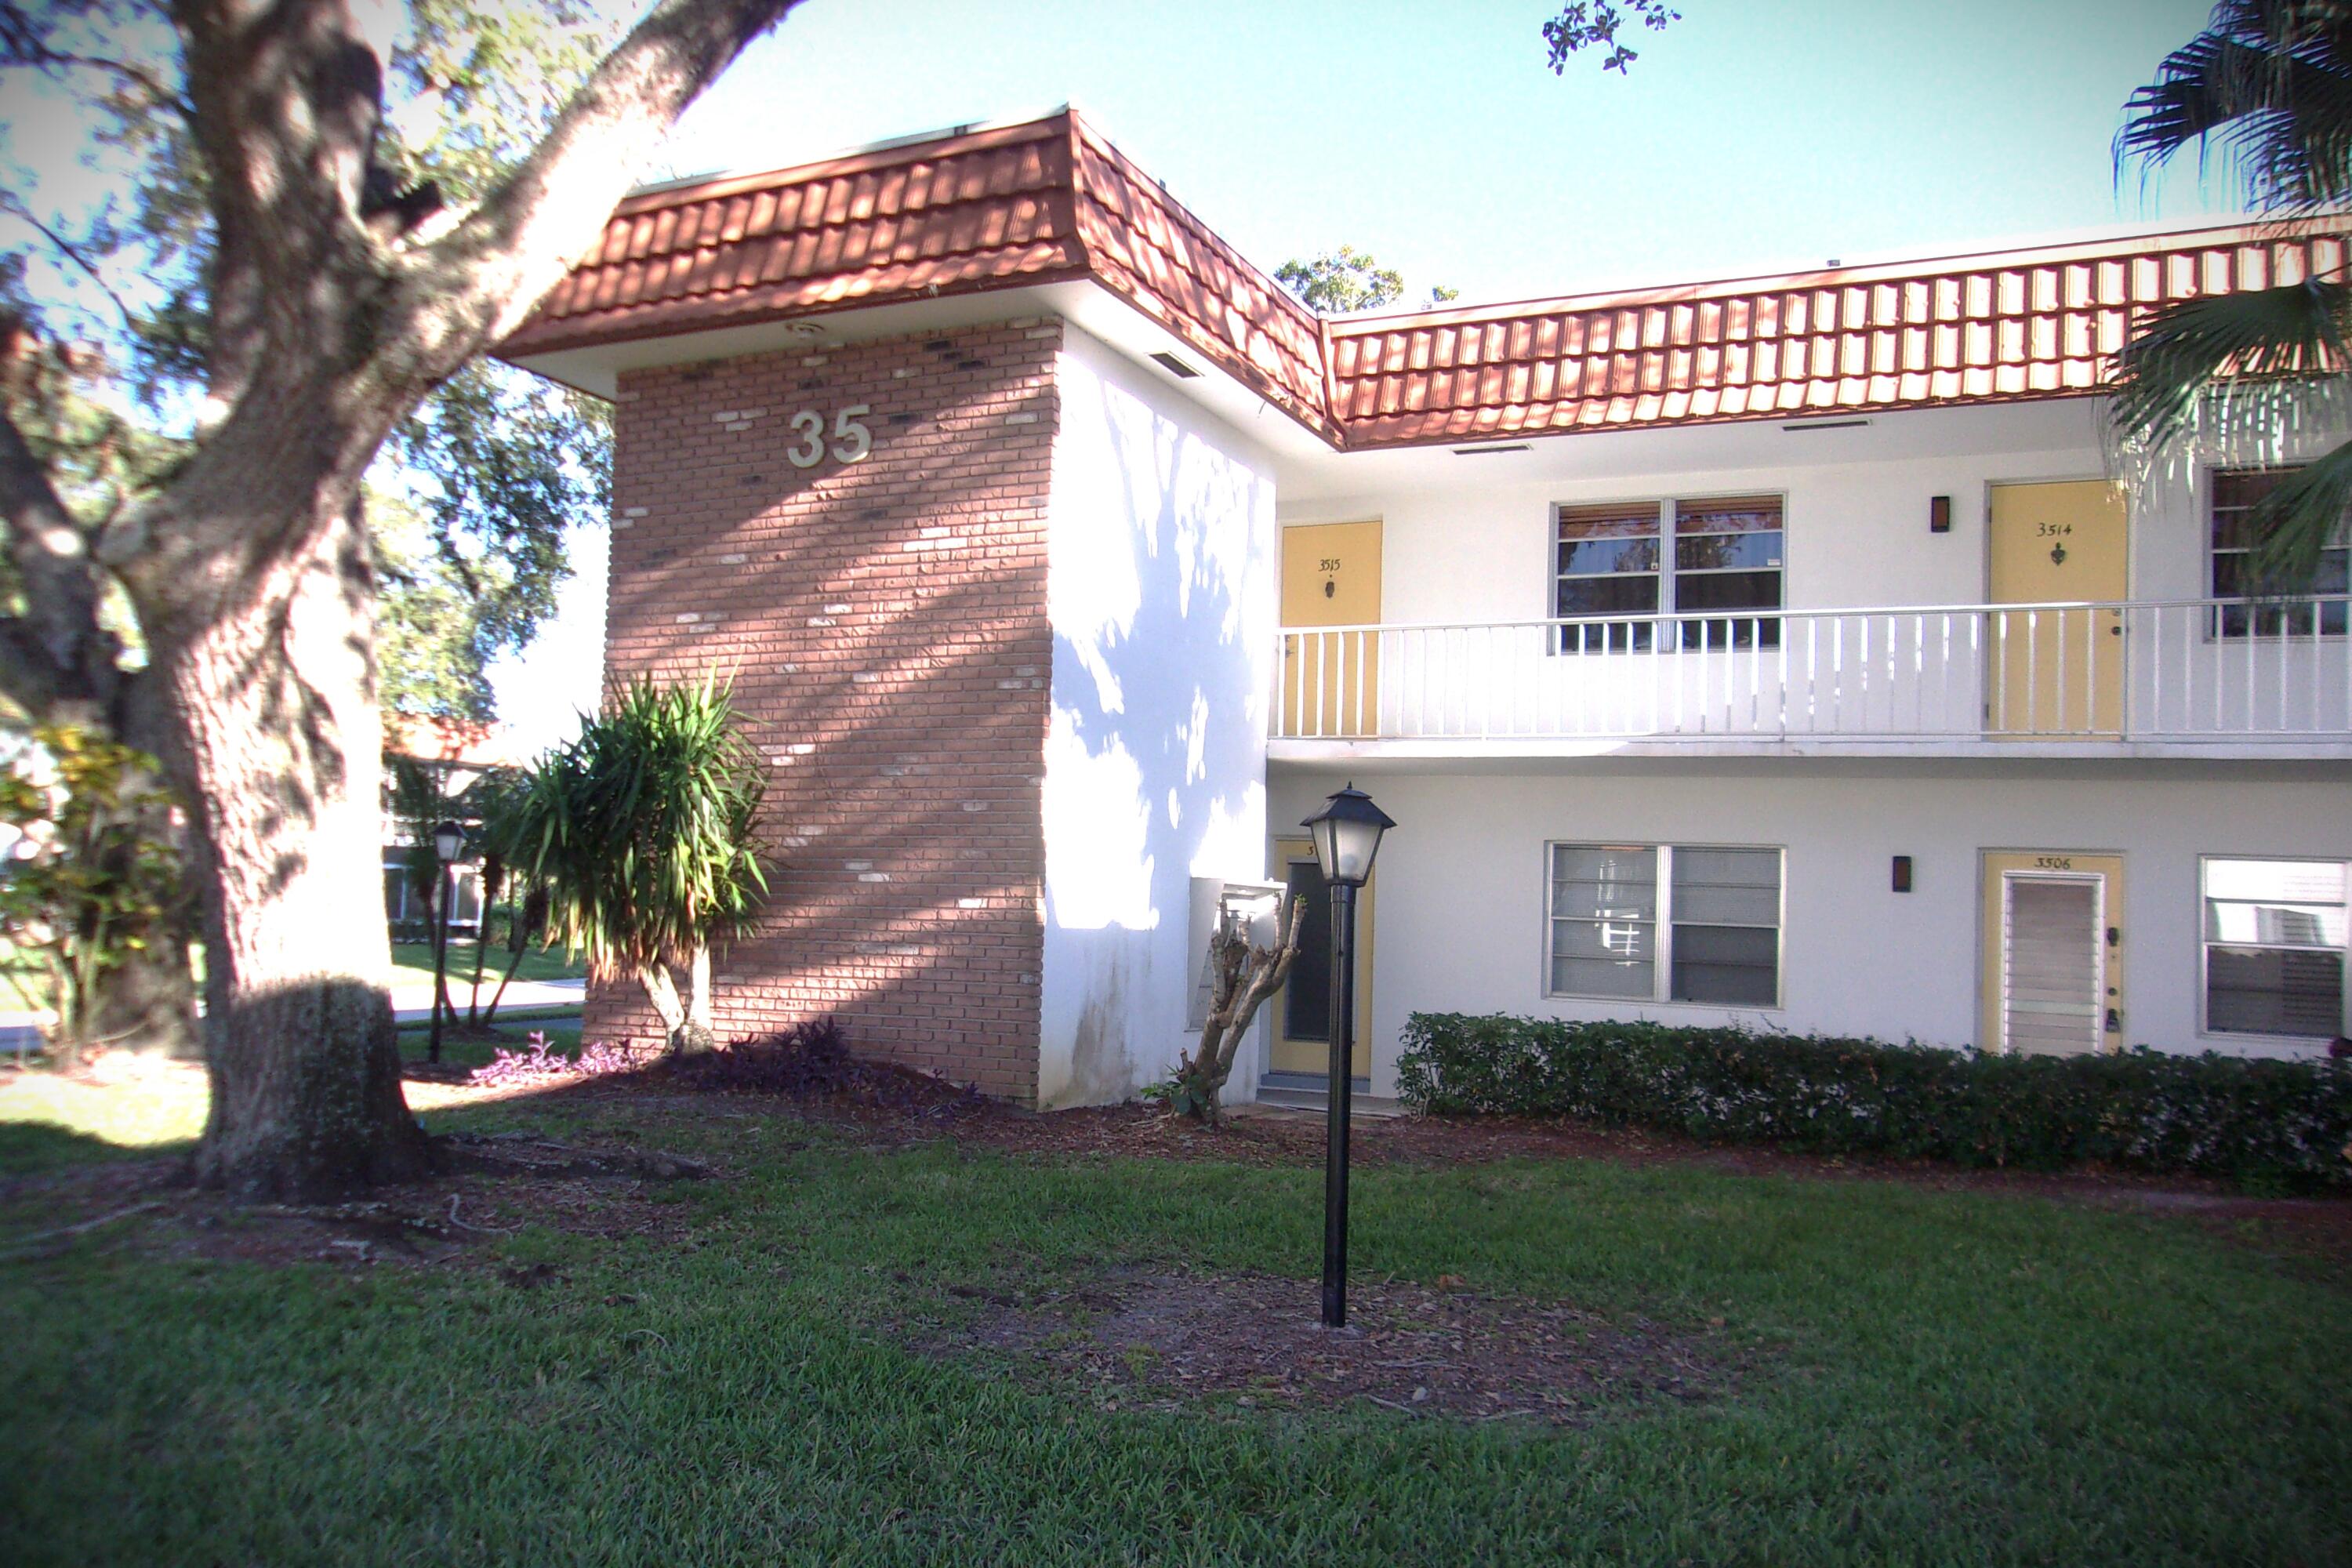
pixel 1141 1339
pixel 491 1187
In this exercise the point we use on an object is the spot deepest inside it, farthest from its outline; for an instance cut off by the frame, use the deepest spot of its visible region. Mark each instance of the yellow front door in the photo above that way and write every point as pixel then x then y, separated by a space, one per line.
pixel 1302 1012
pixel 2054 956
pixel 2056 672
pixel 1330 681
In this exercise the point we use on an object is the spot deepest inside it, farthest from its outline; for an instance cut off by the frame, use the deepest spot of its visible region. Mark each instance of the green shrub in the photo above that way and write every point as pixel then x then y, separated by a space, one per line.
pixel 2265 1123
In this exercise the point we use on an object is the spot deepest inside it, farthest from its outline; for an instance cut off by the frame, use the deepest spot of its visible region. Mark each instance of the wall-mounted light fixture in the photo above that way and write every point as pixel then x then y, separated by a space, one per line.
pixel 1902 873
pixel 1940 514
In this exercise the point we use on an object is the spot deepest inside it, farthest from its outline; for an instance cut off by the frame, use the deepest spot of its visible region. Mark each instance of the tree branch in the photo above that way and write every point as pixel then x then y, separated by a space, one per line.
pixel 13 204
pixel 22 45
pixel 286 98
pixel 59 655
pixel 479 280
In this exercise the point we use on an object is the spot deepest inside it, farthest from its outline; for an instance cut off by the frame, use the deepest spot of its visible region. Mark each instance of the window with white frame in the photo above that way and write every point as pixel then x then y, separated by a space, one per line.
pixel 2274 947
pixel 1716 565
pixel 2234 539
pixel 1658 923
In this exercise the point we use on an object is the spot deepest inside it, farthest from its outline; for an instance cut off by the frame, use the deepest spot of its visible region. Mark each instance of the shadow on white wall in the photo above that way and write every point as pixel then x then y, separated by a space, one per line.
pixel 1161 595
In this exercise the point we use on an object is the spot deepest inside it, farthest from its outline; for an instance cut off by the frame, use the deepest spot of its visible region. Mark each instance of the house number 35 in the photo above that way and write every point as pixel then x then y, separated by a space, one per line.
pixel 851 438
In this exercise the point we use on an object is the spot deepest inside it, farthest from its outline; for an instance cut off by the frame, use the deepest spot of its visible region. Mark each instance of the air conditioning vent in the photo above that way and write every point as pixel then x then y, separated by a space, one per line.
pixel 1174 366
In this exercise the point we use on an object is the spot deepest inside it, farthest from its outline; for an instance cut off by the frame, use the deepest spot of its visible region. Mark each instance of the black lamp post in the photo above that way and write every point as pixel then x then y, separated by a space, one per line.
pixel 448 840
pixel 1347 836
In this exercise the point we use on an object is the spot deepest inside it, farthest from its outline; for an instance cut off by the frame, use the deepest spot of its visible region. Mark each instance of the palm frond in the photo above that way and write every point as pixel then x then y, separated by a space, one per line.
pixel 2266 91
pixel 644 828
pixel 2303 515
pixel 2251 349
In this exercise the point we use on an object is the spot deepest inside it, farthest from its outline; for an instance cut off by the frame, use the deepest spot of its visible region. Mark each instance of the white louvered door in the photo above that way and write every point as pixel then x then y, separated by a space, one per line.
pixel 2052 981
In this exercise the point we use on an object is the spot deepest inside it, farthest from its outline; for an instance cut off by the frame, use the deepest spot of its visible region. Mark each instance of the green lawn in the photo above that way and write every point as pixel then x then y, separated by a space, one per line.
pixel 1952 1378
pixel 412 964
pixel 562 1031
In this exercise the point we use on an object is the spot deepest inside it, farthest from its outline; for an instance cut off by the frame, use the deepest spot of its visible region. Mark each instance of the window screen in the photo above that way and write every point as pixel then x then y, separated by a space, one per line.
pixel 1727 926
pixel 1604 920
pixel 2274 942
pixel 1727 559
pixel 1705 921
pixel 1715 565
pixel 1607 564
pixel 2235 491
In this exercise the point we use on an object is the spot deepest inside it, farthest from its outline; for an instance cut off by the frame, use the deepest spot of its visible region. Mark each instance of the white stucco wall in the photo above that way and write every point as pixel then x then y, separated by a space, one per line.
pixel 1162 593
pixel 1460 915
pixel 1472 541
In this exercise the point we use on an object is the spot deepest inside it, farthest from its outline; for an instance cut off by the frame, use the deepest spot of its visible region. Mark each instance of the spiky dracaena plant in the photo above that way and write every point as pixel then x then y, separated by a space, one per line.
pixel 2264 93
pixel 642 829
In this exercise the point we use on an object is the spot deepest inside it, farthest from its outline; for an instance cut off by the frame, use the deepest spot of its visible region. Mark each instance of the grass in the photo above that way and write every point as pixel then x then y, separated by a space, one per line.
pixel 47 1120
pixel 412 964
pixel 1951 1377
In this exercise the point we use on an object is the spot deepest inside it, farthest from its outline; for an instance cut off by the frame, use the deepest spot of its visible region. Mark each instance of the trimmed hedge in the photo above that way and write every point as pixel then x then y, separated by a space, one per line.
pixel 2267 1123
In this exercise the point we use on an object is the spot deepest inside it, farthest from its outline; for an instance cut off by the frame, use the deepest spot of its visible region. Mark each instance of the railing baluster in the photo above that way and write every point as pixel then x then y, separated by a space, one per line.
pixel 2286 636
pixel 2317 622
pixel 2253 638
pixel 2032 673
pixel 1780 704
pixel 1756 673
pixel 1512 680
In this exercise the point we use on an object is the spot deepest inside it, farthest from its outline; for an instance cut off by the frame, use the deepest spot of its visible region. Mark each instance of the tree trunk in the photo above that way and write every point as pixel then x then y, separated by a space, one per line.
pixel 276 698
pixel 685 1021
pixel 699 1035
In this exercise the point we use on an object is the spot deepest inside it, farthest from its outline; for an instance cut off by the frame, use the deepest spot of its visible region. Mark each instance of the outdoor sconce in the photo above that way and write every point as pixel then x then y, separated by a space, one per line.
pixel 1902 873
pixel 1347 836
pixel 448 838
pixel 1940 514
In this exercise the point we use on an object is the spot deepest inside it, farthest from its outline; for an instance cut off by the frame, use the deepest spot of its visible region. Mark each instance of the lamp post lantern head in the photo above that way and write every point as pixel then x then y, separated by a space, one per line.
pixel 448 840
pixel 1347 836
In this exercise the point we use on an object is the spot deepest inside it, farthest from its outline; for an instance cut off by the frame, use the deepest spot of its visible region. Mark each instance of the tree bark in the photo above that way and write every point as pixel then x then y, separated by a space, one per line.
pixel 277 700
pixel 248 570
pixel 684 1018
pixel 1245 976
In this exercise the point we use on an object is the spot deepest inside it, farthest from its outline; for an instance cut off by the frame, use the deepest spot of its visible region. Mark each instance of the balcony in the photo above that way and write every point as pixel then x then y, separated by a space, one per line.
pixel 2190 677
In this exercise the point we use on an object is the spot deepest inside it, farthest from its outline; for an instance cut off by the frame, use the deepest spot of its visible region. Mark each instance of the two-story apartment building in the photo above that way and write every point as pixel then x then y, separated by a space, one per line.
pixel 1780 650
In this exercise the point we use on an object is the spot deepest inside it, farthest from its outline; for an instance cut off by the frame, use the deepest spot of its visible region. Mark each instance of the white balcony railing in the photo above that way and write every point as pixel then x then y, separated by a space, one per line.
pixel 2221 671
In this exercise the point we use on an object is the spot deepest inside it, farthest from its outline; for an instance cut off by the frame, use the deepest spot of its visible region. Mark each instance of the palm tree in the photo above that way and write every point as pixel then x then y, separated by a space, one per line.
pixel 642 829
pixel 2266 94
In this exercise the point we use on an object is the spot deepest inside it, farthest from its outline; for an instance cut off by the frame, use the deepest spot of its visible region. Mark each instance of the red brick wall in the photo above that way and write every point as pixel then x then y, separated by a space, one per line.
pixel 886 623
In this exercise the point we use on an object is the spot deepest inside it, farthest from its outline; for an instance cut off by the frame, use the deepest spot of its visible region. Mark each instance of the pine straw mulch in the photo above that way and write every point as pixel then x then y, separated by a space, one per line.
pixel 1145 1339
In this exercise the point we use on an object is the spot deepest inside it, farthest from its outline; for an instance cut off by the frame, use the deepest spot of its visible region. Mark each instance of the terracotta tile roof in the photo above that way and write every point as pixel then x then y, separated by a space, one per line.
pixel 1050 201
pixel 1036 202
pixel 985 210
pixel 2030 323
pixel 1157 256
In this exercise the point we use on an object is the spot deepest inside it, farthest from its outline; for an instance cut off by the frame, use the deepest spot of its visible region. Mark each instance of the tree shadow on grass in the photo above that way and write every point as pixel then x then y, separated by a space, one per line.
pixel 31 1148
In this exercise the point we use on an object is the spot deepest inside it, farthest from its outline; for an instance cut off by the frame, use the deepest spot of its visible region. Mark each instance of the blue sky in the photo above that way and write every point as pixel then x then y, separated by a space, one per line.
pixel 1753 135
